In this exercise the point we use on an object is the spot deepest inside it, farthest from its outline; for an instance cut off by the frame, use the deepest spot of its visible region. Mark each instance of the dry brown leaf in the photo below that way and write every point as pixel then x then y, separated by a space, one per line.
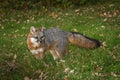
pixel 66 78
pixel 26 78
pixel 15 56
pixel 118 35
pixel 99 68
pixel 54 15
pixel 75 30
pixel 113 74
pixel 77 10
pixel 105 20
pixel 66 14
pixel 104 44
pixel 67 70
pixel 101 35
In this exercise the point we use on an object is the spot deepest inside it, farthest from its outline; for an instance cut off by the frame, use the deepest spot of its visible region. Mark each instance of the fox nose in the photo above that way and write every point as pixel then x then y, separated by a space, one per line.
pixel 39 40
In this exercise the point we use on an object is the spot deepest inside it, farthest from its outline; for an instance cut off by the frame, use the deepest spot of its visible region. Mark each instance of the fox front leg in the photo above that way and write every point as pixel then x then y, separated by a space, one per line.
pixel 54 54
pixel 39 55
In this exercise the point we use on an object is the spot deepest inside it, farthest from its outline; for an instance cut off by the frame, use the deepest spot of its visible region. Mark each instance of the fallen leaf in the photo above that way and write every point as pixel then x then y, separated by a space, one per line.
pixel 15 56
pixel 67 70
pixel 16 30
pixel 96 73
pixel 104 44
pixel 63 61
pixel 113 74
pixel 71 71
pixel 54 15
pixel 104 14
pixel 66 14
pixel 26 78
pixel 65 78
pixel 28 21
pixel 99 68
pixel 103 27
pixel 105 20
pixel 118 35
pixel 75 30
pixel 77 10
pixel 23 27
pixel 111 5
pixel 2 27
pixel 101 35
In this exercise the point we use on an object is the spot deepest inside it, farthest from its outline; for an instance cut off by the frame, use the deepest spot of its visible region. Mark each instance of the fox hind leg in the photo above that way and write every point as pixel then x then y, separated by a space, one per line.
pixel 56 54
pixel 60 55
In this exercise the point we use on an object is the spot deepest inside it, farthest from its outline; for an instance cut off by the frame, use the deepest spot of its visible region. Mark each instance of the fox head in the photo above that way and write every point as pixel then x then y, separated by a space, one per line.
pixel 37 36
pixel 35 41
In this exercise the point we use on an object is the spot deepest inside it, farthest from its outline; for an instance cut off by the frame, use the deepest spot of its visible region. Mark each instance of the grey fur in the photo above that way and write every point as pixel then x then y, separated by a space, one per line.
pixel 57 36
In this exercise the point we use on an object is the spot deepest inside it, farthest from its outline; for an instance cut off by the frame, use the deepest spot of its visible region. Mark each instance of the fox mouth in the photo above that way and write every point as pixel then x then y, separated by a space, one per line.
pixel 39 41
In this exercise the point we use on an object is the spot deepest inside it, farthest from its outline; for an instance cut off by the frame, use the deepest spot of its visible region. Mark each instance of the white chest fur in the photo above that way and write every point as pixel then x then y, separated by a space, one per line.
pixel 34 41
pixel 37 51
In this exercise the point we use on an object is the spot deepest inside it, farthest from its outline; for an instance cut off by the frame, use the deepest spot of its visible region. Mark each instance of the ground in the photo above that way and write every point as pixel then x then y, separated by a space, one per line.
pixel 100 21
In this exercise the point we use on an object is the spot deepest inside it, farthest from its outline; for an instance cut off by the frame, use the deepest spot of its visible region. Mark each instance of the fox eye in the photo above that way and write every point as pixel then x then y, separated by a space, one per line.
pixel 42 37
pixel 36 37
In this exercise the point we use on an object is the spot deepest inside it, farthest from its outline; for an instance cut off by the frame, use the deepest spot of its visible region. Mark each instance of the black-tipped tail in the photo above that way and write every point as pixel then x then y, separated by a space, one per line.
pixel 83 41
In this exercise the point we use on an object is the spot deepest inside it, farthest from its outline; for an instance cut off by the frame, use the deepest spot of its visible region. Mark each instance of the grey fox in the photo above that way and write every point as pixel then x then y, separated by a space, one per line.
pixel 56 41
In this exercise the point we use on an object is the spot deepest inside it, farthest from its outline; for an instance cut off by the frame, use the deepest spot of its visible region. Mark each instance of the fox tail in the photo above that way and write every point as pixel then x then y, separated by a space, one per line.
pixel 83 41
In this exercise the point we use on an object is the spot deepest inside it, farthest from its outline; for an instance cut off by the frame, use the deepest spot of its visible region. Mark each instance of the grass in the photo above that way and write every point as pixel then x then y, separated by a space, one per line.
pixel 99 21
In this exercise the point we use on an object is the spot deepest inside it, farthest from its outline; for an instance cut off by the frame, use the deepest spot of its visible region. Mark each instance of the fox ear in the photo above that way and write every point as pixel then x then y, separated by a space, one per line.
pixel 32 29
pixel 42 28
